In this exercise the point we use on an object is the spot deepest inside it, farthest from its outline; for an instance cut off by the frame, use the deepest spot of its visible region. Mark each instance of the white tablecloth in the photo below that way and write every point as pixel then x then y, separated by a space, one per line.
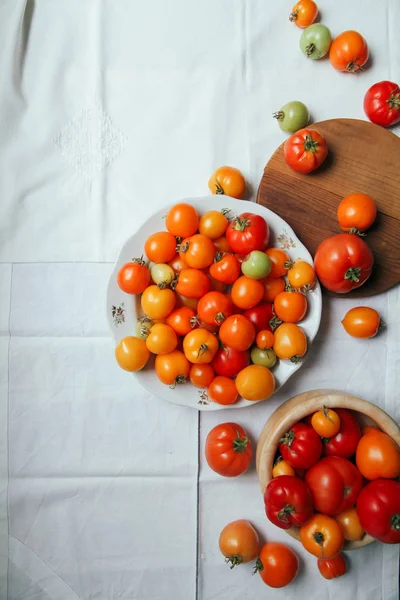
pixel 109 110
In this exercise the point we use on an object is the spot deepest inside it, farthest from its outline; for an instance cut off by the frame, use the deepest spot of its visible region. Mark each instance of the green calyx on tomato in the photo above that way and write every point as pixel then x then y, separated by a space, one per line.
pixel 258 566
pixel 240 443
pixel 285 512
pixel 353 274
pixel 233 560
pixel 240 223
pixel 395 522
pixel 288 438
pixel 310 144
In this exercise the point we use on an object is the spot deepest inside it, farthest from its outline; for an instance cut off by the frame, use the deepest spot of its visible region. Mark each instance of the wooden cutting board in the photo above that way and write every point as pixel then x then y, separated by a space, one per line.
pixel 362 158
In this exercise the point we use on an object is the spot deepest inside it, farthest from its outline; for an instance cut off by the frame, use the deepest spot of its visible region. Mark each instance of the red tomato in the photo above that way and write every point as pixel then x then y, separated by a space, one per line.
pixel 277 564
pixel 262 316
pixel 192 283
pixel 382 103
pixel 134 277
pixel 378 508
pixel 345 442
pixel 222 390
pixel 247 232
pixel 301 446
pixel 237 332
pixel 334 483
pixel 305 150
pixel 214 308
pixel 182 320
pixel 201 375
pixel 332 567
pixel 226 269
pixel 228 449
pixel 288 501
pixel 229 362
pixel 343 262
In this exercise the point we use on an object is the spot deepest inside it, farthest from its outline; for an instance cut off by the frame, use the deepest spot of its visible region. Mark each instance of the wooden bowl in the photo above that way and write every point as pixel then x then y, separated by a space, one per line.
pixel 298 408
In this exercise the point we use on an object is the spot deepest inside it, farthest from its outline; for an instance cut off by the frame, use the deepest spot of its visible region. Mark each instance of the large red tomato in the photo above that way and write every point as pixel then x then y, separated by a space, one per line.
pixel 382 103
pixel 345 442
pixel 229 362
pixel 378 508
pixel 262 316
pixel 305 150
pixel 343 262
pixel 288 501
pixel 334 483
pixel 301 446
pixel 247 232
pixel 228 449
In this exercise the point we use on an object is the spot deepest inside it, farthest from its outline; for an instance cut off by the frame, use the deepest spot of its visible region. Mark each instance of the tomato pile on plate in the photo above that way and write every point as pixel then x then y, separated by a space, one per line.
pixel 217 309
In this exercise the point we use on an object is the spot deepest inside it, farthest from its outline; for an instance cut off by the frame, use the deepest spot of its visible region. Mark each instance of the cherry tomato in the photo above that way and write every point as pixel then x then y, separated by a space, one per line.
pixel 228 449
pixel 277 564
pixel 213 308
pixel 288 502
pixel 237 332
pixel 290 306
pixel 160 247
pixel 333 567
pixel 239 543
pixel 315 41
pixel 345 442
pixel 272 287
pixel 227 181
pixel 378 508
pixel 182 320
pixel 201 375
pixel 172 368
pixel 247 232
pixel 193 283
pixel 305 150
pixel 378 456
pixel 162 275
pixel 301 275
pixel 322 536
pixel 382 103
pixel 247 293
pixel 290 342
pixel 292 116
pixel 362 322
pixel 222 390
pixel 200 346
pixel 326 422
pixel 265 339
pixel 222 245
pixel 343 262
pixel 226 268
pixel 156 303
pixel 265 358
pixel 132 354
pixel 178 263
pixel 301 446
pixel 356 213
pixel 279 259
pixel 262 316
pixel 198 251
pixel 228 361
pixel 282 467
pixel 213 223
pixel 349 52
pixel 256 265
pixel 182 220
pixel 255 383
pixel 134 277
pixel 162 339
pixel 350 523
pixel 334 483
pixel 304 13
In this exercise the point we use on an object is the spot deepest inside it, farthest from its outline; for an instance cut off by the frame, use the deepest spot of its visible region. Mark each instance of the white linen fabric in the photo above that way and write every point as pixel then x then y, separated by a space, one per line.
pixel 108 111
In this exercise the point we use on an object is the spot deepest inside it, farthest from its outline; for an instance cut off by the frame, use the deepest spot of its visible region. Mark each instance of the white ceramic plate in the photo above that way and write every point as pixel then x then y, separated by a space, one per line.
pixel 124 309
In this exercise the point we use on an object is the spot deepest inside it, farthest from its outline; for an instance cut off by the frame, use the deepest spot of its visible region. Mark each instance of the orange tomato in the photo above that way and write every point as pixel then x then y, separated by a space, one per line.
pixel 326 422
pixel 134 277
pixel 350 524
pixel 255 383
pixel 237 332
pixel 290 342
pixel 200 346
pixel 362 322
pixel 333 567
pixel 378 456
pixel 222 244
pixel 322 536
pixel 178 263
pixel 301 275
pixel 356 213
pixel 192 283
pixel 201 375
pixel 182 320
pixel 272 287
pixel 198 251
pixel 368 428
pixel 182 220
pixel 213 224
pixel 304 13
pixel 172 368
pixel 278 259
pixel 290 306
pixel 132 354
pixel 349 52
pixel 160 247
pixel 239 543
pixel 265 339
pixel 247 293
pixel 277 564
pixel 222 390
pixel 282 467
pixel 228 181
pixel 156 303
pixel 162 339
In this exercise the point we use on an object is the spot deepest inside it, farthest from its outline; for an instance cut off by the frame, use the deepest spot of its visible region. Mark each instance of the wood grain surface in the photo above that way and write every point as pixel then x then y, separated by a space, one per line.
pixel 362 158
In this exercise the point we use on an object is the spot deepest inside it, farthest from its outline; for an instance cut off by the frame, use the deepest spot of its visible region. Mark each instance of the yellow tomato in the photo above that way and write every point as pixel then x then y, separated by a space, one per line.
pixel 132 354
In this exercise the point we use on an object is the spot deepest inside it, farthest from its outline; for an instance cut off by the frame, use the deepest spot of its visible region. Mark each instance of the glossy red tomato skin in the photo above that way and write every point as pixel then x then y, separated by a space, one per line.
pixel 247 232
pixel 345 442
pixel 260 316
pixel 288 501
pixel 334 483
pixel 214 307
pixel 298 155
pixel 339 258
pixel 229 362
pixel 382 103
pixel 332 567
pixel 301 447
pixel 378 509
pixel 226 269
pixel 228 449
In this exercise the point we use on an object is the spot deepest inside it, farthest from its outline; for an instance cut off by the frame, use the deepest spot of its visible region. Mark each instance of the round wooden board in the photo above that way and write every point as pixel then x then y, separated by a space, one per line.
pixel 362 158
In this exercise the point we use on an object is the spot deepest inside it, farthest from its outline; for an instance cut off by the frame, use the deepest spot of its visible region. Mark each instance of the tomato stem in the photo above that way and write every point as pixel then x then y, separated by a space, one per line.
pixel 310 49
pixel 288 264
pixel 325 412
pixel 395 521
pixel 279 115
pixel 235 559
pixel 219 190
pixel 293 15
pixel 295 359
pixel 353 274
pixel 394 100
pixel 285 512
pixel 310 145
pixel 274 322
pixel 182 247
pixel 178 380
pixel 194 321
pixel 319 538
pixel 139 261
pixel 354 66
pixel 381 324
pixel 218 256
pixel 356 231
pixel 240 443
pixel 226 211
pixel 219 318
pixel 288 438
pixel 202 350
pixel 240 224
pixel 258 566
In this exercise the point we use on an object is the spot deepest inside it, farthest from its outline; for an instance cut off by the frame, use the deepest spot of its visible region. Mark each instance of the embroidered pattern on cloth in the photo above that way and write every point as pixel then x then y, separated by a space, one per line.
pixel 90 142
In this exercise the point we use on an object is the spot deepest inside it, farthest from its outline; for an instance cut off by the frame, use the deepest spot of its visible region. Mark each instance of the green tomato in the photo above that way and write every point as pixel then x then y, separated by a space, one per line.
pixel 162 275
pixel 265 358
pixel 292 117
pixel 257 265
pixel 315 41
